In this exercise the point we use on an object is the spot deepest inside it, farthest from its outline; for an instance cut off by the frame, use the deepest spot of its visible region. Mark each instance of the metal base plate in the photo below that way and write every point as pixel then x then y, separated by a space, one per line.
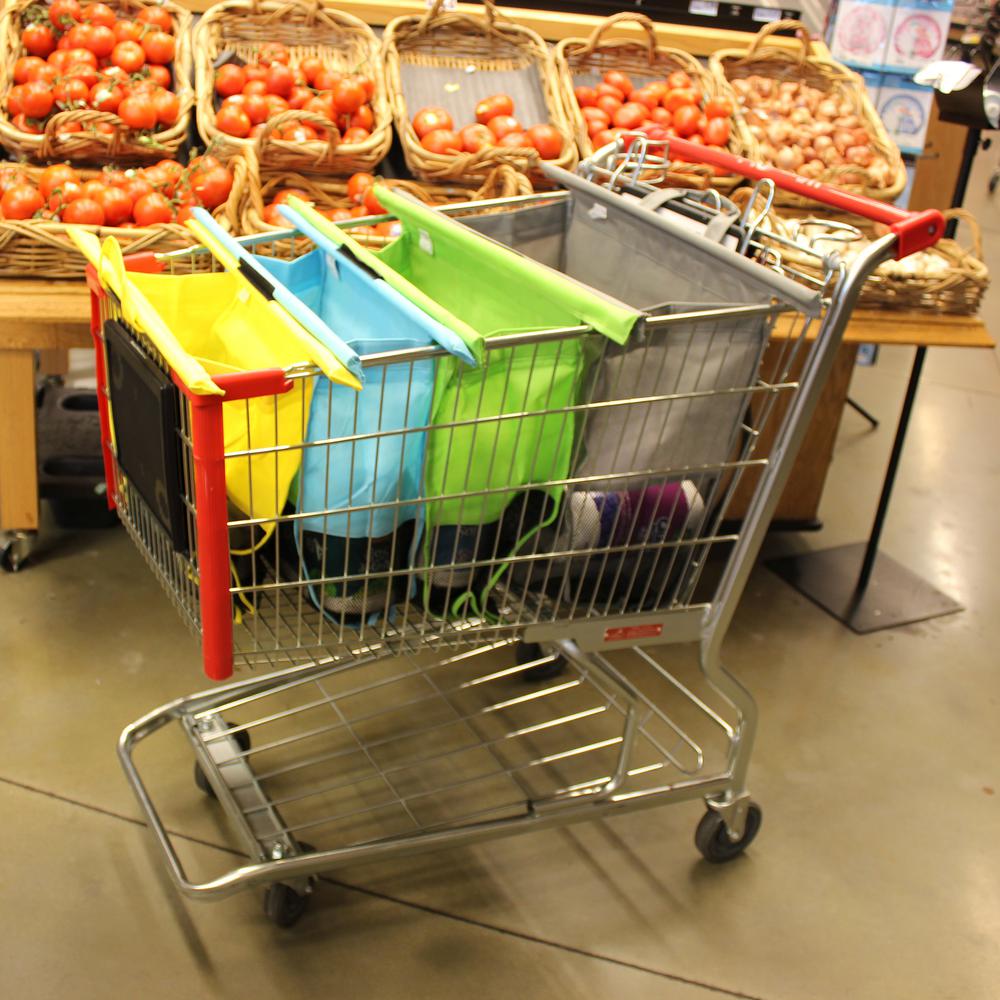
pixel 894 595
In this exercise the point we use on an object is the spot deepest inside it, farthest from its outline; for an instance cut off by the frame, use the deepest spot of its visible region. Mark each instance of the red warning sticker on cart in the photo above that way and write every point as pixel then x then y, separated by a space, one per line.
pixel 632 632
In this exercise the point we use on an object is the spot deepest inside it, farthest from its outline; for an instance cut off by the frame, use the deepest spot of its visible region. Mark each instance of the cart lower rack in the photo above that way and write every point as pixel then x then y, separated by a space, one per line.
pixel 496 660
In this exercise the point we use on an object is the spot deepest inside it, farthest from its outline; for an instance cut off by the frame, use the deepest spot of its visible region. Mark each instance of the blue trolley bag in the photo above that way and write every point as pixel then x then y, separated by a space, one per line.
pixel 362 469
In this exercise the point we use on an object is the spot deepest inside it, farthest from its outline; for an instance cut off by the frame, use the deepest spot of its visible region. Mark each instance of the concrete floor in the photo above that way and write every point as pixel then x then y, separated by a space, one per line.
pixel 875 874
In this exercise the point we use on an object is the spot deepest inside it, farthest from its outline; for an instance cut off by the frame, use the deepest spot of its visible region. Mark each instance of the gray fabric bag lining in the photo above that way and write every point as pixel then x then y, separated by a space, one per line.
pixel 659 264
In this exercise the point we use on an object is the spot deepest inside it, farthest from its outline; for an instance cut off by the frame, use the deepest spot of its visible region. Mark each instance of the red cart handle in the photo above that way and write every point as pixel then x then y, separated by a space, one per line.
pixel 913 230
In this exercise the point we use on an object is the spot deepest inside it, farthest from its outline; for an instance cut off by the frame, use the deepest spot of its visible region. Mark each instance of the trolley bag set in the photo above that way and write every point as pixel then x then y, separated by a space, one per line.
pixel 480 474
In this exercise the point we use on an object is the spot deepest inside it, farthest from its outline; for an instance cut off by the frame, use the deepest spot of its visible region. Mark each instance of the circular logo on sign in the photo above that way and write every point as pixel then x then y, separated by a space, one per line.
pixel 902 115
pixel 863 31
pixel 917 37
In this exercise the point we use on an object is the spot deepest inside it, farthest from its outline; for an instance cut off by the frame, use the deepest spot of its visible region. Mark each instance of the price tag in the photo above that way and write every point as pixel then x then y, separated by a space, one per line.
pixel 446 5
pixel 704 7
pixel 766 14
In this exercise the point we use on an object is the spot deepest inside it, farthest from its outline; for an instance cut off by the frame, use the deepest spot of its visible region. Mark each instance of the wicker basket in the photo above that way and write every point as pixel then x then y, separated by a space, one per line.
pixel 585 61
pixel 309 28
pixel 123 146
pixel 257 186
pixel 453 60
pixel 781 63
pixel 37 248
pixel 946 278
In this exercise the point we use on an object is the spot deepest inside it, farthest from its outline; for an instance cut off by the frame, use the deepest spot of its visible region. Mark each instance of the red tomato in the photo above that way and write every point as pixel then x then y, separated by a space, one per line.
pixel 320 106
pixel 678 80
pixel 592 115
pixel 54 177
pixel 310 66
pixel 64 13
pixel 298 96
pixel 184 212
pixel 430 120
pixel 716 131
pixel 167 106
pixel 603 138
pixel 37 99
pixel 273 52
pixel 14 98
pixel 718 107
pixel 38 40
pixel 80 35
pixel 211 186
pixel 369 86
pixel 47 73
pixel 275 105
pixel 99 13
pixel 493 107
pixel 256 107
pixel 355 134
pixel 476 137
pixel 442 140
pixel 661 116
pixel 80 57
pixel 129 55
pixel 25 124
pixel 21 201
pixel 547 139
pixel 86 74
pixel 515 140
pixel 327 79
pixel 160 75
pixel 622 81
pixel 159 47
pixel 611 90
pixel 157 17
pixel 279 79
pixel 127 31
pixel 630 116
pixel 586 97
pixel 348 95
pixel 658 87
pixel 230 79
pixel 364 118
pixel 70 92
pixel 503 125
pixel 680 98
pixel 647 96
pixel 372 205
pixel 233 121
pixel 299 132
pixel 357 185
pixel 102 41
pixel 255 87
pixel 686 120
pixel 24 66
pixel 116 205
pixel 273 216
pixel 609 104
pixel 62 195
pixel 137 187
pixel 91 189
pixel 138 112
pixel 152 208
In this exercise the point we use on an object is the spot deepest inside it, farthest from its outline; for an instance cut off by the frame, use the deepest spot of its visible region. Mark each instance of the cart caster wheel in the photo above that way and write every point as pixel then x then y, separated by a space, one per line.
pixel 712 839
pixel 14 553
pixel 283 905
pixel 528 651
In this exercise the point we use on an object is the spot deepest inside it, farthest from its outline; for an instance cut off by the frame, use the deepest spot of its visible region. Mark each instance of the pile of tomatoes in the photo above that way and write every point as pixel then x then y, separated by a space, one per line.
pixel 254 93
pixel 361 201
pixel 88 57
pixel 661 109
pixel 163 192
pixel 495 125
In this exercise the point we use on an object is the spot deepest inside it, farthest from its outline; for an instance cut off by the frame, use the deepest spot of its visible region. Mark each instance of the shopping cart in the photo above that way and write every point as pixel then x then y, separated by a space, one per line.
pixel 424 722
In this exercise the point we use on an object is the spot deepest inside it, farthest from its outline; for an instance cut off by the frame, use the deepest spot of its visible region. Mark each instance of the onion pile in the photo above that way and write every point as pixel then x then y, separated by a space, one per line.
pixel 809 131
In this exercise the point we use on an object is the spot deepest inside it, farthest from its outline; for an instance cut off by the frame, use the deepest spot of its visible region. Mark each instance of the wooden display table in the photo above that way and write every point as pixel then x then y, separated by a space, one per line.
pixel 47 315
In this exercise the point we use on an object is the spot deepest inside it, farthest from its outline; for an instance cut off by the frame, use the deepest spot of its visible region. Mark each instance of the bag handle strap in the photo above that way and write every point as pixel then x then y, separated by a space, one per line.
pixel 786 24
pixel 624 17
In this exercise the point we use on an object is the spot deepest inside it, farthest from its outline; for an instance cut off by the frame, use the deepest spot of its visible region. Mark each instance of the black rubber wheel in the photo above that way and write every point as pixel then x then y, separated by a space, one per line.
pixel 713 841
pixel 242 739
pixel 529 651
pixel 283 905
pixel 202 782
pixel 11 558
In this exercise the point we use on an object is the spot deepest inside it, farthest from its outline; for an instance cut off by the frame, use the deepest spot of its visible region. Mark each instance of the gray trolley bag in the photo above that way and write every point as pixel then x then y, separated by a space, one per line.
pixel 648 256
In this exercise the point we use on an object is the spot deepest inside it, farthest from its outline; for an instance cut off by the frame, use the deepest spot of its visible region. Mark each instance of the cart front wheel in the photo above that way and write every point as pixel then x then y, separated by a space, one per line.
pixel 713 840
pixel 528 652
pixel 283 905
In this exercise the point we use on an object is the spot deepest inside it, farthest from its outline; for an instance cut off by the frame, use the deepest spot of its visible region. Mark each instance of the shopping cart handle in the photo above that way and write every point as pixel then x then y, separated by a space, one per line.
pixel 913 230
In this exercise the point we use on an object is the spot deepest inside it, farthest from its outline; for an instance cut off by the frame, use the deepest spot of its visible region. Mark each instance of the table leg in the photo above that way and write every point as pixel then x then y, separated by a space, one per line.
pixel 18 450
